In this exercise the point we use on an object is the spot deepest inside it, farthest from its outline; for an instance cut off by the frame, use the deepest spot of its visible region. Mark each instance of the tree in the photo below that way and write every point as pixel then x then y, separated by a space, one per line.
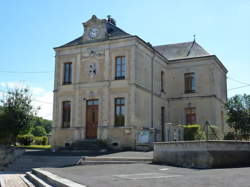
pixel 39 131
pixel 238 110
pixel 16 114
pixel 46 124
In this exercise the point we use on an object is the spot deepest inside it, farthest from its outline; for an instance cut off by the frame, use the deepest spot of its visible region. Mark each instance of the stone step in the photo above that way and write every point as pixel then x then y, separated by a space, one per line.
pixel 106 162
pixel 36 180
pixel 113 160
pixel 54 180
pixel 143 159
pixel 26 181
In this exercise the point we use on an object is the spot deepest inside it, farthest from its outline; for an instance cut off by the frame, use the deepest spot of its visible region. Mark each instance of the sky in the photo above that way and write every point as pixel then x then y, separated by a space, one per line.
pixel 30 29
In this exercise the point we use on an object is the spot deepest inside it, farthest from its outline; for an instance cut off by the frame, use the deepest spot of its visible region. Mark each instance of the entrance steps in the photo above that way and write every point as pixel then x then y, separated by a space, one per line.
pixel 42 178
pixel 85 146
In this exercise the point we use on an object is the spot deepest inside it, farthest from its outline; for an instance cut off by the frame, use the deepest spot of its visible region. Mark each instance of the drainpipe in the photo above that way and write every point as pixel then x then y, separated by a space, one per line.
pixel 152 90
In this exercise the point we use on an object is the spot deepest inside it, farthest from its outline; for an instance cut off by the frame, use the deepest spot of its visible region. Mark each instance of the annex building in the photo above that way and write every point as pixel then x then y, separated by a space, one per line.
pixel 113 86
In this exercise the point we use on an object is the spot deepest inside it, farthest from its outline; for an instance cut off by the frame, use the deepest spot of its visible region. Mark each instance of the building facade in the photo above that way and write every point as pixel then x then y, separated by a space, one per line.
pixel 113 86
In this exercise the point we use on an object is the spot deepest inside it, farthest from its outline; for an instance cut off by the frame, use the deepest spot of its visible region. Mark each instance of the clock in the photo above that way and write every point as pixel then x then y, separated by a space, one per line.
pixel 92 70
pixel 93 32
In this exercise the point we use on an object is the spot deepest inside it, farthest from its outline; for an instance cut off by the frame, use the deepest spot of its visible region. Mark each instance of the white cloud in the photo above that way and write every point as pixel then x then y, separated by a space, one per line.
pixel 40 98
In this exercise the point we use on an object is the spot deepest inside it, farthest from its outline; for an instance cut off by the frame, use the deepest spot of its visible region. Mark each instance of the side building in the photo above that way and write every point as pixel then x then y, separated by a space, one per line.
pixel 196 84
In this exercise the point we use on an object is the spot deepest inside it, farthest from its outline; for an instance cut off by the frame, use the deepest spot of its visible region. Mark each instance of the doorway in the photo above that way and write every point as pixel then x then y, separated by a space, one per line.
pixel 91 118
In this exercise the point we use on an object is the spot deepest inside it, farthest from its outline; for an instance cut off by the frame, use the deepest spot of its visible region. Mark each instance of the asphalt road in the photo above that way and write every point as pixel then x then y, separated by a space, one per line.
pixel 149 175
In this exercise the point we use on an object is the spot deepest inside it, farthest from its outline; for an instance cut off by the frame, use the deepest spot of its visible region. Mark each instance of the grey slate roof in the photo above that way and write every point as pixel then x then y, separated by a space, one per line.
pixel 181 50
pixel 113 32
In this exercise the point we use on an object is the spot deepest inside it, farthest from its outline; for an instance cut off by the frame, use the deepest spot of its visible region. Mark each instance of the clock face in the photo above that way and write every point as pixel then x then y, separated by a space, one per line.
pixel 92 70
pixel 93 32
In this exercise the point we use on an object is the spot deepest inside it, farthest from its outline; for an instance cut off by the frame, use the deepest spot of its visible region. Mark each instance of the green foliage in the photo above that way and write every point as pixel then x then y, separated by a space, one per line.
pixel 41 140
pixel 25 139
pixel 16 114
pixel 45 140
pixel 198 132
pixel 238 110
pixel 39 131
pixel 192 132
pixel 46 124
pixel 229 136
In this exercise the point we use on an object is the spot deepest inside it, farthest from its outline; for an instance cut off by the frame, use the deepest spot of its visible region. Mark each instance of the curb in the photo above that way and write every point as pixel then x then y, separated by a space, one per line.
pixel 142 159
pixel 113 160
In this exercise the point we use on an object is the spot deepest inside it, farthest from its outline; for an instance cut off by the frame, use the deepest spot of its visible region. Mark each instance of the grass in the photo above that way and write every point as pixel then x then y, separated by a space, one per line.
pixel 35 146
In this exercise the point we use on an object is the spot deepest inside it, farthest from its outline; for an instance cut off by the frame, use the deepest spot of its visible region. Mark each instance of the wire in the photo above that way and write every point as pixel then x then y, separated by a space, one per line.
pixel 238 87
pixel 238 81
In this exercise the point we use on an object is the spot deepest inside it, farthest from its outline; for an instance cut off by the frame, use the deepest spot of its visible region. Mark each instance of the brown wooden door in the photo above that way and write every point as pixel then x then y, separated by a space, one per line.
pixel 92 119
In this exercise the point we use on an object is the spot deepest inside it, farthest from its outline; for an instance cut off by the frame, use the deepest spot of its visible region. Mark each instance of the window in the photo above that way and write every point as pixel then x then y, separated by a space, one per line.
pixel 189 82
pixel 119 112
pixel 66 114
pixel 162 81
pixel 67 76
pixel 120 67
pixel 92 102
pixel 190 116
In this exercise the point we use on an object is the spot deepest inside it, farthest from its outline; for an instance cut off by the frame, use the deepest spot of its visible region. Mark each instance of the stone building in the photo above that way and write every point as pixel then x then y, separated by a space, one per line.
pixel 113 86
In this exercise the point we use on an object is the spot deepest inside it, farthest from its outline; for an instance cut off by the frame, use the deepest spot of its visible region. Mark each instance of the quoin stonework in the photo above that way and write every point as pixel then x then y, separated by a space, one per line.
pixel 113 86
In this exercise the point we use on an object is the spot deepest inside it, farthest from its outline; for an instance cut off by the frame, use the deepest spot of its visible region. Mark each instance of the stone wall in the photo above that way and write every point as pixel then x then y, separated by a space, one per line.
pixel 203 154
pixel 8 155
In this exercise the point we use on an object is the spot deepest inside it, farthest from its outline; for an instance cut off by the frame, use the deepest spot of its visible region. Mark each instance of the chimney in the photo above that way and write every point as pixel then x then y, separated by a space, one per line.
pixel 111 20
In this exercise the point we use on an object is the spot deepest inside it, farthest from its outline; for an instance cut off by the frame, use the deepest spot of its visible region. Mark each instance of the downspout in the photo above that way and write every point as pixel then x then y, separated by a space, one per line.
pixel 152 90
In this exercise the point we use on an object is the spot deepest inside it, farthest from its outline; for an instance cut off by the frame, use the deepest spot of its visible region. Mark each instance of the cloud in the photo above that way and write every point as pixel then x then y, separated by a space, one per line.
pixel 41 97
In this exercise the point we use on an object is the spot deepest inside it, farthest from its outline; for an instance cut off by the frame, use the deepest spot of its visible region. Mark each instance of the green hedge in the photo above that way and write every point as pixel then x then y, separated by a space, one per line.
pixel 197 132
pixel 43 140
pixel 26 139
pixel 29 139
pixel 190 132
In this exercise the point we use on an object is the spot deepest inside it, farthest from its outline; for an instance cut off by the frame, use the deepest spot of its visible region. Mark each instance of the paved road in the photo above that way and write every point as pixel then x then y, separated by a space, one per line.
pixel 148 175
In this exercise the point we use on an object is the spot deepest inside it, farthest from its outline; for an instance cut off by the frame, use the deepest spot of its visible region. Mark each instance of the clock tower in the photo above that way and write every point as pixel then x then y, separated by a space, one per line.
pixel 95 29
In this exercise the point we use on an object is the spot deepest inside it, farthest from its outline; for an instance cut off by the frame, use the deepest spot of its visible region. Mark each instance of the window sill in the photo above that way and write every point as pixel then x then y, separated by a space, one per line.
pixel 191 92
pixel 121 127
pixel 66 83
pixel 119 78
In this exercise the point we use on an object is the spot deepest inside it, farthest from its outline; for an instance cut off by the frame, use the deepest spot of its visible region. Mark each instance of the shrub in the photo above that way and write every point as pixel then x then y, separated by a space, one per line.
pixel 43 140
pixel 190 132
pixel 26 139
pixel 229 136
pixel 198 132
